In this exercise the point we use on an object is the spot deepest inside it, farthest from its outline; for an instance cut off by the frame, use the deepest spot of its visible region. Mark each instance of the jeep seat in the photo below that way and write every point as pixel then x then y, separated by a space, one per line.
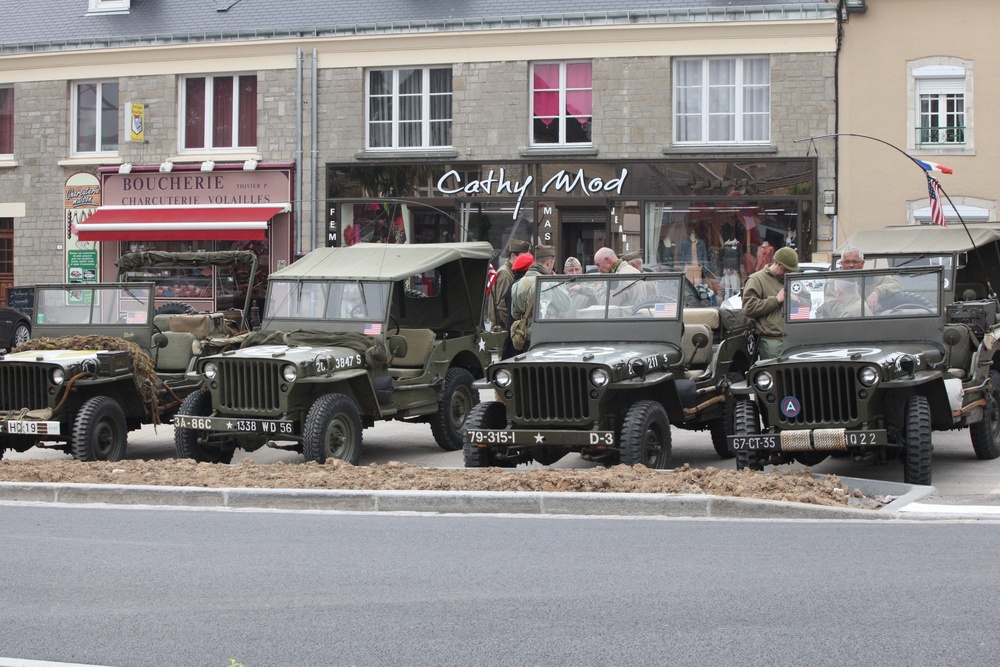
pixel 200 325
pixel 707 316
pixel 419 345
pixel 701 357
pixel 178 352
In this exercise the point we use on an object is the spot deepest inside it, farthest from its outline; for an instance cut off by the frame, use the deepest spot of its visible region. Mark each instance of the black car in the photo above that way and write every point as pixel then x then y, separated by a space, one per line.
pixel 15 328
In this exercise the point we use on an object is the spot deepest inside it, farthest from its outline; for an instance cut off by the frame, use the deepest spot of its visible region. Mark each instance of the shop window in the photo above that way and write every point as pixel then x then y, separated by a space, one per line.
pixel 95 118
pixel 7 122
pixel 722 100
pixel 374 223
pixel 562 103
pixel 219 112
pixel 409 107
pixel 941 104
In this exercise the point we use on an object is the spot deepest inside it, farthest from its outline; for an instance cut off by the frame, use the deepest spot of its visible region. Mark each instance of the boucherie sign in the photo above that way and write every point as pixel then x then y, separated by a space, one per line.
pixel 196 188
pixel 497 183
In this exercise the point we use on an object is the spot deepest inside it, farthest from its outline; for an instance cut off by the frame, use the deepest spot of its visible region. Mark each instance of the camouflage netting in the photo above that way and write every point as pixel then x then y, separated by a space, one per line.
pixel 375 353
pixel 143 370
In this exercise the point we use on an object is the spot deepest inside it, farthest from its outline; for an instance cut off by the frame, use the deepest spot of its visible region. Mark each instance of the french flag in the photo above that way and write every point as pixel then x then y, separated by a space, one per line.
pixel 934 166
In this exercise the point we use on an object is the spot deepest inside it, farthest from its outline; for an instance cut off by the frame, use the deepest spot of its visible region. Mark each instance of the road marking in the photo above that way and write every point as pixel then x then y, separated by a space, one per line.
pixel 15 662
pixel 926 508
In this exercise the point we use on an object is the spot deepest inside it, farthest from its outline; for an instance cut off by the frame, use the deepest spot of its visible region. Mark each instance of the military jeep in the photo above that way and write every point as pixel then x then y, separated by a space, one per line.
pixel 350 336
pixel 102 364
pixel 614 361
pixel 873 381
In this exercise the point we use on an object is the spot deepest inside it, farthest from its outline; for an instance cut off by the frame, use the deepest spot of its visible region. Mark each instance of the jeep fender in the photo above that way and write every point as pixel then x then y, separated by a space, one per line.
pixel 929 384
pixel 355 383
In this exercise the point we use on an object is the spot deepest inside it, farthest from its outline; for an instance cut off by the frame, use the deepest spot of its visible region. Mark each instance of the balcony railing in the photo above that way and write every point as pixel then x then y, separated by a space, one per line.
pixel 949 136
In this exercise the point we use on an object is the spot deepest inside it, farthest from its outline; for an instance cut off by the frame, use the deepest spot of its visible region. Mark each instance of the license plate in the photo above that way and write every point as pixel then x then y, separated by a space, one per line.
pixel 742 443
pixel 29 428
pixel 865 438
pixel 262 426
pixel 540 438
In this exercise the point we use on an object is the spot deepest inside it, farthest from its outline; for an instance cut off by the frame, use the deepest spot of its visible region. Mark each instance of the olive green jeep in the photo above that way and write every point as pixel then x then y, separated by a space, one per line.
pixel 350 336
pixel 101 363
pixel 874 361
pixel 614 361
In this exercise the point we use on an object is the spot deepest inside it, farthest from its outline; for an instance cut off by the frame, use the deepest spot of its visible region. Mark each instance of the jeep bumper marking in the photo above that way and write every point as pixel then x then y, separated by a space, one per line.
pixel 25 427
pixel 537 438
pixel 816 440
pixel 262 426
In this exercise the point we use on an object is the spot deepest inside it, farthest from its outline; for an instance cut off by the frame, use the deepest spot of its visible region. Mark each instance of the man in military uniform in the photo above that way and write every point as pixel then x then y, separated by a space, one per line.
pixel 522 294
pixel 505 278
pixel 763 296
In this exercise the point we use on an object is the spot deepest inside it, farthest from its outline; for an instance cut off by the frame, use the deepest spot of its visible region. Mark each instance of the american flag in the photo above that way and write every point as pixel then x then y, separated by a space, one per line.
pixel 799 313
pixel 934 194
pixel 491 277
pixel 373 328
pixel 665 310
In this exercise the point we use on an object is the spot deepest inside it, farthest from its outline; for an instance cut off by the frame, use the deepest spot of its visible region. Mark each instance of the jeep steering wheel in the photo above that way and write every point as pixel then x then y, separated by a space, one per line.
pixel 907 306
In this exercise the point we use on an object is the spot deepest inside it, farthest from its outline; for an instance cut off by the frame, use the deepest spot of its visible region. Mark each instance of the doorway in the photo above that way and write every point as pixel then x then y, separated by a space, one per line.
pixel 583 232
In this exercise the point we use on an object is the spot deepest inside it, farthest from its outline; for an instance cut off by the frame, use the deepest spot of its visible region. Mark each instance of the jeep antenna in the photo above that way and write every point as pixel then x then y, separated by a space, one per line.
pixel 932 185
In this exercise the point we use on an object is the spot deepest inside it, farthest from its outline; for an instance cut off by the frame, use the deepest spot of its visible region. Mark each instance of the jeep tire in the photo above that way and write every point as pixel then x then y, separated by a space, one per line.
pixel 645 436
pixel 746 421
pixel 917 445
pixel 100 433
pixel 457 402
pixel 723 426
pixel 332 430
pixel 490 415
pixel 199 404
pixel 986 432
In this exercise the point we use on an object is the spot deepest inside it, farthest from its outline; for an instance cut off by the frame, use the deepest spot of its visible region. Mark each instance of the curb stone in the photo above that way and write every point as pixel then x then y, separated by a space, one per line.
pixel 471 502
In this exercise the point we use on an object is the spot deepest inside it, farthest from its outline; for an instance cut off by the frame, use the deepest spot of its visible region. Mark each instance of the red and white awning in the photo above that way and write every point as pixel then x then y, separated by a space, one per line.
pixel 185 223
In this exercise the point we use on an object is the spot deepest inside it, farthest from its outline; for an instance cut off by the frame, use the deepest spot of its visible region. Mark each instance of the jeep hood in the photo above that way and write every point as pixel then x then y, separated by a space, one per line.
pixel 64 358
pixel 875 353
pixel 297 354
pixel 596 353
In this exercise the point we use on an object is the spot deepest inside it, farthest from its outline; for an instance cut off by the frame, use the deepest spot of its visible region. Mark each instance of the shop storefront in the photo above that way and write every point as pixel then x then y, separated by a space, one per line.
pixel 189 208
pixel 717 221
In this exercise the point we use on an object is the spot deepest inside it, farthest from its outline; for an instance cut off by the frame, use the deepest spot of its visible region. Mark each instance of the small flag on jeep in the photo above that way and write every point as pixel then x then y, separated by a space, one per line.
pixel 373 328
pixel 665 310
pixel 799 313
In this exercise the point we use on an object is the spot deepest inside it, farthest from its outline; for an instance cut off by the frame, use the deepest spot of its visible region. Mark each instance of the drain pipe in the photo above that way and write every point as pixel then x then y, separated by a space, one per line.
pixel 314 173
pixel 298 154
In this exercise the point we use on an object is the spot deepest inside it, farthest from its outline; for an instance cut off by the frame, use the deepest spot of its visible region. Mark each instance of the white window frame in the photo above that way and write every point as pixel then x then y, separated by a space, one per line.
pixel 426 94
pixel 563 117
pixel 10 156
pixel 944 75
pixel 98 120
pixel 210 115
pixel 108 6
pixel 706 93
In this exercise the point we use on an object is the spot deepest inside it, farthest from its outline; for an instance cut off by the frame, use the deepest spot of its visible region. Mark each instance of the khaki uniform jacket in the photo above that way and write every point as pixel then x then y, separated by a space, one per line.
pixel 498 293
pixel 760 302
pixel 523 293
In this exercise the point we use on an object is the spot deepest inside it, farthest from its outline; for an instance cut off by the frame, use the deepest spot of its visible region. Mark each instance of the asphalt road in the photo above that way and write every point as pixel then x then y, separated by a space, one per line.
pixel 138 587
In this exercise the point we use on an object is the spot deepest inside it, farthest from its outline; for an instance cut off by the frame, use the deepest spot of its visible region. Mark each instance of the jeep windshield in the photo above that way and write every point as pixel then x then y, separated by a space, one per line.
pixel 608 296
pixel 863 295
pixel 92 304
pixel 327 300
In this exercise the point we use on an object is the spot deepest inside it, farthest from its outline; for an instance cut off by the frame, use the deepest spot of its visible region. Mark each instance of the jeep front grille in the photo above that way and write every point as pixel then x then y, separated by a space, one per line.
pixel 23 386
pixel 828 395
pixel 249 385
pixel 551 394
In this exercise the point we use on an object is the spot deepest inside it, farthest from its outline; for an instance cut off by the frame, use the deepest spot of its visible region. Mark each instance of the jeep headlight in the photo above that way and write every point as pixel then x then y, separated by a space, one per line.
pixel 57 376
pixel 210 370
pixel 868 376
pixel 599 377
pixel 502 378
pixel 764 381
pixel 289 372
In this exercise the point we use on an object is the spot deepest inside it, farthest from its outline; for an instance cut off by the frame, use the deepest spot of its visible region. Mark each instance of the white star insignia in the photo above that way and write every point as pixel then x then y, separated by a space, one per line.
pixel 229 425
pixel 539 438
pixel 482 345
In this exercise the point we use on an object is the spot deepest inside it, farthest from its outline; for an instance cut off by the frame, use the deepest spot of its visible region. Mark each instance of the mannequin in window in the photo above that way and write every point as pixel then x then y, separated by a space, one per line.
pixel 693 256
pixel 791 238
pixel 731 267
pixel 665 248
pixel 765 253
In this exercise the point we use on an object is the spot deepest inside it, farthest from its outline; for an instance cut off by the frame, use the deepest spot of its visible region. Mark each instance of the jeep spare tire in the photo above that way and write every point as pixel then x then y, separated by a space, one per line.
pixel 175 308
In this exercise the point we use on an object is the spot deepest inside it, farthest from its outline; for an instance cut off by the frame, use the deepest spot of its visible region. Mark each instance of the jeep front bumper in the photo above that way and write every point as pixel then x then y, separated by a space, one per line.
pixel 808 440
pixel 274 427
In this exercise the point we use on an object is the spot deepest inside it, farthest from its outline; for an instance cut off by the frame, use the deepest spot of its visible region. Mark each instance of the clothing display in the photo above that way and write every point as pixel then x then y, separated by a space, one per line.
pixel 765 254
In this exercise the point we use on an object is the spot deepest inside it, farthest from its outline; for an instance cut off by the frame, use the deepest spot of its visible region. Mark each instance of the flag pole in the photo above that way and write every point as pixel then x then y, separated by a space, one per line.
pixel 926 172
